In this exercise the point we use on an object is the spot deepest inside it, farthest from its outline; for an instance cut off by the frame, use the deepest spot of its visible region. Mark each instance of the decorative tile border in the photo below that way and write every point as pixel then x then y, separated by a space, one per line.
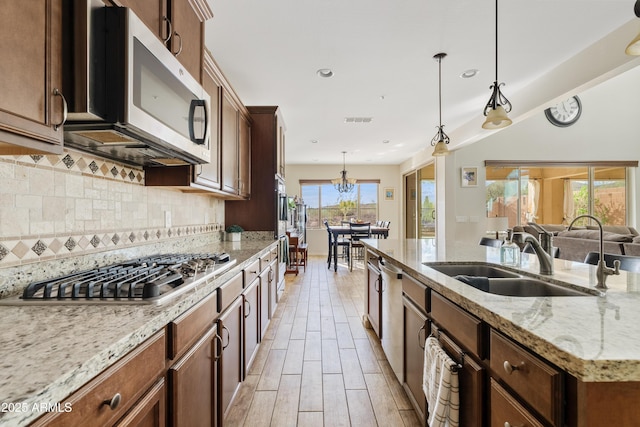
pixel 30 250
pixel 75 161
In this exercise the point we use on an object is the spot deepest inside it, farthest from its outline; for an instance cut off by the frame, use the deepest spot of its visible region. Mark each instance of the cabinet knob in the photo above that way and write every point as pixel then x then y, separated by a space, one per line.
pixel 114 401
pixel 509 368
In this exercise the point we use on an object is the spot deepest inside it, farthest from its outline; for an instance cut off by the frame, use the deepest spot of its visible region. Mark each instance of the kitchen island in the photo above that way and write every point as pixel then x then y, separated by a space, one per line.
pixel 48 352
pixel 593 340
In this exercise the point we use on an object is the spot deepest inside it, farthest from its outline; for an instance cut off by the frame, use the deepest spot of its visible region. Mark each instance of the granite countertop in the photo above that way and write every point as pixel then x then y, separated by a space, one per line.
pixel 594 338
pixel 48 352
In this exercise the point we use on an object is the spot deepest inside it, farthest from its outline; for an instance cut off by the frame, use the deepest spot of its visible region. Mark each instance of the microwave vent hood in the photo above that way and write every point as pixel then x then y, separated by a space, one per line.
pixel 129 98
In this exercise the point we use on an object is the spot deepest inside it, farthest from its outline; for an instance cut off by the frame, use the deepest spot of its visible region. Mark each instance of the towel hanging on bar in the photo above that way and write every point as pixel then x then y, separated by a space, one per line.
pixel 440 385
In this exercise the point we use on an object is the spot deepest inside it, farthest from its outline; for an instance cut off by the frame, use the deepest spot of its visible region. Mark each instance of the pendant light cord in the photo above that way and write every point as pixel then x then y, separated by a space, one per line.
pixel 440 91
pixel 496 41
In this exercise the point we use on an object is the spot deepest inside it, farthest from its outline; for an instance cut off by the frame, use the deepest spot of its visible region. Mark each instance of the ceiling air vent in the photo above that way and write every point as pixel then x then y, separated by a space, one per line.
pixel 358 119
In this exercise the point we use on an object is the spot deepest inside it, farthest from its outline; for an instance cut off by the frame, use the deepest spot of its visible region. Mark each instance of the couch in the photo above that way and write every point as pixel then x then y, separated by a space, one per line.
pixel 575 244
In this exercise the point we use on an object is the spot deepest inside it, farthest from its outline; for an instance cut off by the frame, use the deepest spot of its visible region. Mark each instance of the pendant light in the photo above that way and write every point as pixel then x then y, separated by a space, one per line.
pixel 344 184
pixel 441 139
pixel 498 106
pixel 634 46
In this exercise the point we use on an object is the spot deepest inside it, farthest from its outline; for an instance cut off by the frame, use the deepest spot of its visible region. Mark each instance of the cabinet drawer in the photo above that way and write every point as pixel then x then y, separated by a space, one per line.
pixel 130 377
pixel 186 329
pixel 266 259
pixel 537 382
pixel 465 328
pixel 229 291
pixel 251 272
pixel 506 411
pixel 416 291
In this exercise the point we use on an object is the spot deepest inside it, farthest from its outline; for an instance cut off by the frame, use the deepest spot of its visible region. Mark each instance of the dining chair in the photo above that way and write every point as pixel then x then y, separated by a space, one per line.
pixel 338 243
pixel 386 224
pixel 627 262
pixel 358 231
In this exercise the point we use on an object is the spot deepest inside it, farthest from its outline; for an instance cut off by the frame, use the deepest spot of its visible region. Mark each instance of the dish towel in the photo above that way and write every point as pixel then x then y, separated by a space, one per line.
pixel 441 386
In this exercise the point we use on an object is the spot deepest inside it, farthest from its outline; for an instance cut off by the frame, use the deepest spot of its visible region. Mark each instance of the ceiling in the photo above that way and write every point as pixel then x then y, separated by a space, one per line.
pixel 381 53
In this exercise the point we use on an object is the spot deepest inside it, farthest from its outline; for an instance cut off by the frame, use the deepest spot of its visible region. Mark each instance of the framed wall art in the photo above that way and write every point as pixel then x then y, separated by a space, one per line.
pixel 389 193
pixel 469 177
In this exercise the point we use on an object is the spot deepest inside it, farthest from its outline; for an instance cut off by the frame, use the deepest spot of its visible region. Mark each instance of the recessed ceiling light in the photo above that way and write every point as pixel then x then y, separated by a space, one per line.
pixel 469 73
pixel 386 141
pixel 314 141
pixel 325 72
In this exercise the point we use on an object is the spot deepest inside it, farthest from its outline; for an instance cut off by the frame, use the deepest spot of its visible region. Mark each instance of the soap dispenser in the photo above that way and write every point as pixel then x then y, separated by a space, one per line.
pixel 509 251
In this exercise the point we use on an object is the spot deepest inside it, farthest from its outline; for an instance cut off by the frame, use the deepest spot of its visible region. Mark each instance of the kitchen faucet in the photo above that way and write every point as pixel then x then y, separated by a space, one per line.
pixel 545 259
pixel 603 271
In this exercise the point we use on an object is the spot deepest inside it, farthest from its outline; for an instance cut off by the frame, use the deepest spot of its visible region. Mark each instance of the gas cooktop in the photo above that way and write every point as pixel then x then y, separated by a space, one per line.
pixel 151 280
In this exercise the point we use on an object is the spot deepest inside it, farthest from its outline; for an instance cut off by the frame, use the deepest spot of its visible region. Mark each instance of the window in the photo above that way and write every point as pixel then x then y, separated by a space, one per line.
pixel 325 202
pixel 556 194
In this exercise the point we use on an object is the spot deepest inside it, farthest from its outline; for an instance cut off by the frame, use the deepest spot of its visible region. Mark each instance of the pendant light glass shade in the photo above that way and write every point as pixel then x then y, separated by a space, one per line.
pixel 634 46
pixel 498 106
pixel 440 140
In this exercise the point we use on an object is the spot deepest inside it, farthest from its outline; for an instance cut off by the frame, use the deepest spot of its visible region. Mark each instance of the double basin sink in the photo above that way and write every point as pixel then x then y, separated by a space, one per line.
pixel 495 280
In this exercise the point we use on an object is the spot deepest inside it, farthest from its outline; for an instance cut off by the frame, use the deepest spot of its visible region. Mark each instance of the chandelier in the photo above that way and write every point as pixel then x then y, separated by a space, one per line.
pixel 498 106
pixel 344 184
pixel 634 46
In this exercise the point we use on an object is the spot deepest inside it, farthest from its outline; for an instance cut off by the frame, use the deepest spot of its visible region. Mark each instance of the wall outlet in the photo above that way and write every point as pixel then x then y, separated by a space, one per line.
pixel 167 219
pixel 206 217
pixel 462 218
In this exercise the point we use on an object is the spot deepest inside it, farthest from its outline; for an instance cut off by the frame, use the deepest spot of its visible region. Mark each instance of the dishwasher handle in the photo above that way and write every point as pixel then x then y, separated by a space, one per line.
pixel 389 269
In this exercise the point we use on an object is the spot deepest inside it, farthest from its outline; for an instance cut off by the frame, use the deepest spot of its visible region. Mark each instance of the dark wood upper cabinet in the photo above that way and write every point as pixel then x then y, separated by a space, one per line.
pixel 187 33
pixel 32 107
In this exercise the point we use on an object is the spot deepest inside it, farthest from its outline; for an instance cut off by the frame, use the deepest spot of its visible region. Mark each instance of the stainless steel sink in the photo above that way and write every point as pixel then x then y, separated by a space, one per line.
pixel 498 281
pixel 479 270
pixel 529 287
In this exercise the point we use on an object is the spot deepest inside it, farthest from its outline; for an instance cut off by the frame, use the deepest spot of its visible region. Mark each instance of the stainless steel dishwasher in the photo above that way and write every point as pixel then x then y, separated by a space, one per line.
pixel 392 339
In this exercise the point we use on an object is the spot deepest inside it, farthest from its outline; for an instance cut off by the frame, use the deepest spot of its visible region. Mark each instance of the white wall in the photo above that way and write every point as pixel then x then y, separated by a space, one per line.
pixel 389 177
pixel 609 129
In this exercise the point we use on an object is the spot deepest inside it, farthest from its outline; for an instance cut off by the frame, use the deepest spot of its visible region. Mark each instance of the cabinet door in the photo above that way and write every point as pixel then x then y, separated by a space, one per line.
pixel 280 149
pixel 244 157
pixel 209 173
pixel 251 306
pixel 230 364
pixel 229 135
pixel 193 384
pixel 265 278
pixel 152 12
pixel 273 287
pixel 187 36
pixel 415 335
pixel 31 105
pixel 149 411
pixel 374 298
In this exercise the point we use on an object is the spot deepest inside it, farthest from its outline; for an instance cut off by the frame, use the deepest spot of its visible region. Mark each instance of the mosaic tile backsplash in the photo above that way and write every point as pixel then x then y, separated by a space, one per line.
pixel 69 205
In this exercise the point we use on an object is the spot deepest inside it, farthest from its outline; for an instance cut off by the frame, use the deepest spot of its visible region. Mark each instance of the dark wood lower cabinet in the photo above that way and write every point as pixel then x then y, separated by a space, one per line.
pixel 150 410
pixel 193 383
pixel 251 324
pixel 230 363
pixel 415 335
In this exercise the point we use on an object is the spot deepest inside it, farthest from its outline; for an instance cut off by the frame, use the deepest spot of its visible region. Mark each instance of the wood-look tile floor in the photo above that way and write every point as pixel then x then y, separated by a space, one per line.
pixel 318 365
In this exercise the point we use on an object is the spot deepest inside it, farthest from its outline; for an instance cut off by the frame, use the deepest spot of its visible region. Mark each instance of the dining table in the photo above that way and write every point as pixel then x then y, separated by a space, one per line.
pixel 341 230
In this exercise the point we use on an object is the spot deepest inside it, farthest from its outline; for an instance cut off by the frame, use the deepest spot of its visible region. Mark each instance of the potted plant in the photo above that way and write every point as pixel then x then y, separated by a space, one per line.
pixel 234 233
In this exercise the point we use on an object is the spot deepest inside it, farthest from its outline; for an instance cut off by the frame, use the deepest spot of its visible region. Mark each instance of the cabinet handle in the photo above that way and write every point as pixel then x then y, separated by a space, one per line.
pixel 170 30
pixel 270 275
pixel 224 328
pixel 65 110
pixel 509 368
pixel 248 311
pixel 199 173
pixel 422 328
pixel 175 33
pixel 114 401
pixel 217 354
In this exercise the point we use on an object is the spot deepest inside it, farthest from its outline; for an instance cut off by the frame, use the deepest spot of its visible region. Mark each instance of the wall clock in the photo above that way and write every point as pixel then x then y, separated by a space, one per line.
pixel 565 113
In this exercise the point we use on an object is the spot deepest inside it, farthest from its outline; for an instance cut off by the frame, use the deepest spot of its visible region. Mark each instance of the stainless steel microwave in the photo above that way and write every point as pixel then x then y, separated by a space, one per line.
pixel 129 98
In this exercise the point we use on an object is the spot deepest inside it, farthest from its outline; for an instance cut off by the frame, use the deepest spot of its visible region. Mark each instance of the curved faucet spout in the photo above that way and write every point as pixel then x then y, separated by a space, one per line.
pixel 602 271
pixel 544 259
